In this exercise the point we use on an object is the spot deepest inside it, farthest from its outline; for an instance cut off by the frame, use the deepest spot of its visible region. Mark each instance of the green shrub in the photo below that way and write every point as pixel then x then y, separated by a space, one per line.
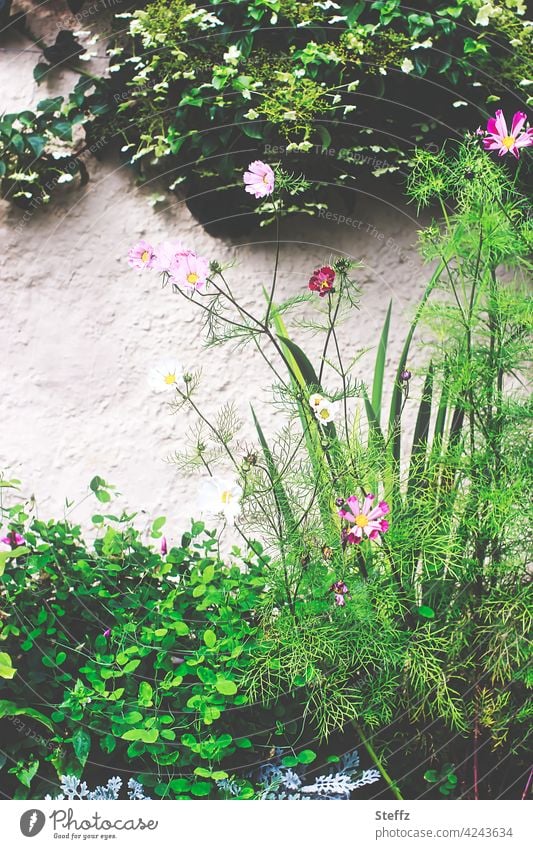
pixel 125 656
pixel 195 93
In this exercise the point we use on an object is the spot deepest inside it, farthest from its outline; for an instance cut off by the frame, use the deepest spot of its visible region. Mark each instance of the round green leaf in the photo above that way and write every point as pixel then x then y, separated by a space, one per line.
pixel 210 639
pixel 226 687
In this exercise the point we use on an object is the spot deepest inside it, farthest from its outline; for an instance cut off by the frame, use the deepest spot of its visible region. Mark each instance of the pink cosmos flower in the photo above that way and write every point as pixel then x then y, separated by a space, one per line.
pixel 364 519
pixel 259 179
pixel 165 253
pixel 13 539
pixel 141 255
pixel 322 280
pixel 499 138
pixel 189 270
pixel 107 633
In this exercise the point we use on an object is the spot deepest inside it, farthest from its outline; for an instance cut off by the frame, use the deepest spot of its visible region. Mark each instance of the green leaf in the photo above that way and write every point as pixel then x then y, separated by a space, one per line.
pixel 40 71
pixel 425 612
pixel 431 775
pixel 397 393
pixel 132 717
pixel 180 785
pixel 201 788
pixel 6 669
pixel 226 687
pixel 157 524
pixel 375 428
pixel 290 760
pixel 9 555
pixel 197 528
pixel 37 144
pixel 208 574
pixel 144 735
pixel 8 708
pixel 62 129
pixel 379 368
pixel 210 639
pixel 308 374
pixel 307 756
pixel 146 694
pixel 252 129
pixel 81 742
pixel 421 435
pixel 276 481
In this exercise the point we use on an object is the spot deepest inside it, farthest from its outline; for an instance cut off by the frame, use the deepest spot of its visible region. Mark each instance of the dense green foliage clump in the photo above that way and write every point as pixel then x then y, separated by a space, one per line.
pixel 338 91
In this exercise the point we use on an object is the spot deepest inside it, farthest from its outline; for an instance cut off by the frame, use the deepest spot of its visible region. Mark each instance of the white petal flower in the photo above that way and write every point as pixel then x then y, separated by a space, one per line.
pixel 326 411
pixel 316 400
pixel 167 375
pixel 484 15
pixel 407 66
pixel 220 496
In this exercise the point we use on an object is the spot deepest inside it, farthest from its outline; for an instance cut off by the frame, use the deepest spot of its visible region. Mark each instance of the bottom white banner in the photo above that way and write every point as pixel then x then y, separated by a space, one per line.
pixel 265 825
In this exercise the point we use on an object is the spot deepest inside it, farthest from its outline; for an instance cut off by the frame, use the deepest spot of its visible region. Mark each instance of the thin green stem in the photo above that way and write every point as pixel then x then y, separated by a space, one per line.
pixel 377 761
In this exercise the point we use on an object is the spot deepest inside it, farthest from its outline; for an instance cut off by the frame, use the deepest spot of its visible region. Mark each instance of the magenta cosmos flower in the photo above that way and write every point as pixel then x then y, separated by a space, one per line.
pixel 141 255
pixel 13 539
pixel 364 519
pixel 189 270
pixel 322 280
pixel 499 138
pixel 259 179
pixel 339 590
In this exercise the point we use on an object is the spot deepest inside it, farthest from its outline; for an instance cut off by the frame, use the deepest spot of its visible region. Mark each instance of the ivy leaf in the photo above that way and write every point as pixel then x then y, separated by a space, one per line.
pixel 40 71
pixel 65 49
pixel 37 144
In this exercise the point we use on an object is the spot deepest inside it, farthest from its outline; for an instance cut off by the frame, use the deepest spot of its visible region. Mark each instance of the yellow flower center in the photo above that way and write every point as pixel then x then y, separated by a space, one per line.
pixel 170 378
pixel 226 496
pixel 265 179
pixel 508 142
pixel 145 256
pixel 192 278
pixel 361 521
pixel 324 414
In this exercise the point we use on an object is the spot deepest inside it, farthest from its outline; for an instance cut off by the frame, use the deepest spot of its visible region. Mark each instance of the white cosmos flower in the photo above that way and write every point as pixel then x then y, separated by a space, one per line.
pixel 167 375
pixel 315 401
pixel 326 411
pixel 407 66
pixel 220 496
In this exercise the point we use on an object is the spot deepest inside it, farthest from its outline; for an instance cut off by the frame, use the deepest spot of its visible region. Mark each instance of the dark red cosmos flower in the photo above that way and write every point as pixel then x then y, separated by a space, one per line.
pixel 322 280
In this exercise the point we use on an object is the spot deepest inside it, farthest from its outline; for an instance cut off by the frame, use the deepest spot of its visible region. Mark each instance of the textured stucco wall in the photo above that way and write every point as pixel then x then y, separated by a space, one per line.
pixel 79 330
